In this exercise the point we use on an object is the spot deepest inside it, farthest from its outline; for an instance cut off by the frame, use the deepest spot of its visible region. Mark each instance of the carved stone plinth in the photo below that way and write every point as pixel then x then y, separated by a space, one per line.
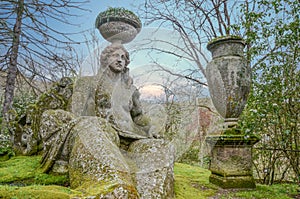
pixel 231 161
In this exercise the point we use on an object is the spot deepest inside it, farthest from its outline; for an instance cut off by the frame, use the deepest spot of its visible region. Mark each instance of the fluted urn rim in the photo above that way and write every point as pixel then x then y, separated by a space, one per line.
pixel 118 14
pixel 225 39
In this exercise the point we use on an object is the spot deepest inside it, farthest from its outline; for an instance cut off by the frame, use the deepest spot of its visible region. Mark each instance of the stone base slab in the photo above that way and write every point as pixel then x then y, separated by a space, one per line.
pixel 233 182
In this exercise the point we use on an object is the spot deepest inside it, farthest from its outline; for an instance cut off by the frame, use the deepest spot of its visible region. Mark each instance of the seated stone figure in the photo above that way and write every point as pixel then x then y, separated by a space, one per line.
pixel 106 144
pixel 116 98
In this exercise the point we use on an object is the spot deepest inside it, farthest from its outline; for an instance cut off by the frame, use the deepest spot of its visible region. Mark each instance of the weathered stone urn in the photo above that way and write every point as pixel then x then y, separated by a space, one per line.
pixel 228 77
pixel 118 25
pixel 229 80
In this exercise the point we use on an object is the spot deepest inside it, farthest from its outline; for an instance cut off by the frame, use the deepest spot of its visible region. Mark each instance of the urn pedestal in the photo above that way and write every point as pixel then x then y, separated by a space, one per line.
pixel 229 79
pixel 231 161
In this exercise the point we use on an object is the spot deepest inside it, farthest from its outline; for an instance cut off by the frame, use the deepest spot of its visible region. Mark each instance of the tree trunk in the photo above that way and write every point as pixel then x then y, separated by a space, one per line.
pixel 12 69
pixel 13 61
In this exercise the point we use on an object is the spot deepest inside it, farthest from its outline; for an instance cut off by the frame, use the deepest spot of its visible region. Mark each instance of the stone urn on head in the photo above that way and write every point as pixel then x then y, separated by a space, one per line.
pixel 229 81
pixel 118 25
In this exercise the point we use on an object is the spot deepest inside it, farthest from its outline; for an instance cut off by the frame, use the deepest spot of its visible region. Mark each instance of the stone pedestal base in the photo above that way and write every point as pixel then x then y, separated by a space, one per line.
pixel 231 161
pixel 233 182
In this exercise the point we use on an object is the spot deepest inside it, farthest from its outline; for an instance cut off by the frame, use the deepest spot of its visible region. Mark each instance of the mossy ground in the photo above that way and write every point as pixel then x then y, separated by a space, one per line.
pixel 192 182
pixel 34 192
pixel 20 178
pixel 24 170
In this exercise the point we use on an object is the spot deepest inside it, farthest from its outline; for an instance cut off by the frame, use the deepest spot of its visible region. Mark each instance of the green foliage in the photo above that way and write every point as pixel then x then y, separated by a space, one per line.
pixel 174 117
pixel 20 104
pixel 272 31
pixel 29 109
pixel 6 151
pixel 22 101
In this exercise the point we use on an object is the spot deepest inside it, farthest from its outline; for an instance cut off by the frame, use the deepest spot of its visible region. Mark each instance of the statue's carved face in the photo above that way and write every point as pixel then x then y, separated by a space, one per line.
pixel 117 61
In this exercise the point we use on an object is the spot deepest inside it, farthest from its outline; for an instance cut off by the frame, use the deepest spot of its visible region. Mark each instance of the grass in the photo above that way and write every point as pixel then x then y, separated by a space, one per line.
pixel 20 178
pixel 276 191
pixel 34 192
pixel 24 170
pixel 192 182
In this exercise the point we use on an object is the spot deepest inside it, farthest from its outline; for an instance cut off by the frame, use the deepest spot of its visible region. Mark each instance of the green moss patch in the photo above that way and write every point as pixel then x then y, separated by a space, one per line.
pixel 192 182
pixel 276 191
pixel 25 170
pixel 21 178
pixel 34 192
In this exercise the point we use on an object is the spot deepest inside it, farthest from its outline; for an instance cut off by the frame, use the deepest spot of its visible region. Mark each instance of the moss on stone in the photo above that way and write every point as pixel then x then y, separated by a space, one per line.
pixel 58 97
pixel 224 38
pixel 99 188
pixel 232 131
pixel 232 139
pixel 236 182
pixel 118 14
pixel 102 188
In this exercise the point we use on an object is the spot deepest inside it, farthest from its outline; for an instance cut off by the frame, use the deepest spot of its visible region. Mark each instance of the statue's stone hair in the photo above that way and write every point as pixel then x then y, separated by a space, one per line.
pixel 109 50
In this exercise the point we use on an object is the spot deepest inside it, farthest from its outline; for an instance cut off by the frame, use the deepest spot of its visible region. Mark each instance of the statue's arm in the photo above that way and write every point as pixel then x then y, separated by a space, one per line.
pixel 102 102
pixel 137 107
pixel 137 112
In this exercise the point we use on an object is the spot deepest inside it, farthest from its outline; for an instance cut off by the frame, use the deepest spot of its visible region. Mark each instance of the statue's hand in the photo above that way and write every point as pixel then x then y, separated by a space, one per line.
pixel 153 133
pixel 142 120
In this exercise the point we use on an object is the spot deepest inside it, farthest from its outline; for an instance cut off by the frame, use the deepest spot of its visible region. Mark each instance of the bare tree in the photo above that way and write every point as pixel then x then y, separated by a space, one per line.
pixel 197 22
pixel 32 44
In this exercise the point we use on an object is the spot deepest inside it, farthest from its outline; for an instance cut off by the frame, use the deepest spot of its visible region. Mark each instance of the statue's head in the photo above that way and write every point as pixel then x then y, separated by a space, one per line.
pixel 116 57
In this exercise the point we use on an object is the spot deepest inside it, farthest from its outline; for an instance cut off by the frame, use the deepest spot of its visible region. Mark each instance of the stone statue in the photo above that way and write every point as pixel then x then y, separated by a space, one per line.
pixel 116 98
pixel 106 143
